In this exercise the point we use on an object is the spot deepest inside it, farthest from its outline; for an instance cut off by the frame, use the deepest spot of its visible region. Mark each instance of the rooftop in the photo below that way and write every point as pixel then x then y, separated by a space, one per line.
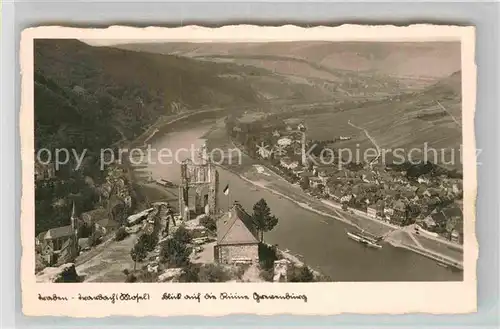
pixel 236 227
pixel 58 232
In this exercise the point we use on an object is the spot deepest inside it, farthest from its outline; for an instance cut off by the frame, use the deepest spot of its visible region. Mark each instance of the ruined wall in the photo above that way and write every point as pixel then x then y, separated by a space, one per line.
pixel 228 254
pixel 199 177
pixel 213 191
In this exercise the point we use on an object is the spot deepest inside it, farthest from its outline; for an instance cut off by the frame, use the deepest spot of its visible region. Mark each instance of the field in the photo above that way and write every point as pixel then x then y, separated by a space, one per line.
pixel 398 123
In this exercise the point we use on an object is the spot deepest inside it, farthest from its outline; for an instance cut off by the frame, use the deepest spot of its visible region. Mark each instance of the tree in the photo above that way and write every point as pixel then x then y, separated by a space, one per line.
pixel 148 241
pixel 174 253
pixel 138 253
pixel 262 218
pixel 209 223
pixel 182 235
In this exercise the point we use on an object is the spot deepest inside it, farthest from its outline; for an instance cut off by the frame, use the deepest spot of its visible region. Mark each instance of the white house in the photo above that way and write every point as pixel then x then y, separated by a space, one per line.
pixel 288 163
pixel 315 181
pixel 423 180
pixel 346 198
pixel 372 212
pixel 284 142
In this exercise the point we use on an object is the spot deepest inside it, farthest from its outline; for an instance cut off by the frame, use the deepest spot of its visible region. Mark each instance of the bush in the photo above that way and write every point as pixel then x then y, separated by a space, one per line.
pixel 147 276
pixel 182 235
pixel 213 273
pixel 267 274
pixel 121 234
pixel 267 255
pixel 129 277
pixel 300 274
pixel 241 269
pixel 209 223
pixel 190 274
pixel 174 253
pixel 138 253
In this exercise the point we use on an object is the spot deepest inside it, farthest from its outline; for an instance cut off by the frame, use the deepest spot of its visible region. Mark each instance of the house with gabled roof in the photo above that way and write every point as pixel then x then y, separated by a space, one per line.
pixel 59 244
pixel 237 238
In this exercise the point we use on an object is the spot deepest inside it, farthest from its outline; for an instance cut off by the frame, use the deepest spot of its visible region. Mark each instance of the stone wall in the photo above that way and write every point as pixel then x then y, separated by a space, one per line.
pixel 231 253
pixel 63 273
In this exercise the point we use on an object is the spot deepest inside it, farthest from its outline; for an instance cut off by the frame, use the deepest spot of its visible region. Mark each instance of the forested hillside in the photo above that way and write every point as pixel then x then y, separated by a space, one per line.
pixel 131 89
pixel 87 98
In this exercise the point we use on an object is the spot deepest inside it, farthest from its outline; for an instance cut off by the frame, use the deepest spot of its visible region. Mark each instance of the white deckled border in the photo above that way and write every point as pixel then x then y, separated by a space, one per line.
pixel 323 298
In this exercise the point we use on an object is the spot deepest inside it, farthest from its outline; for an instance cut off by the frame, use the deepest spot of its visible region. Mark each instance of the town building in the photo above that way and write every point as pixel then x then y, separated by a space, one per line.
pixel 315 181
pixel 288 163
pixel 371 211
pixel 106 225
pixel 237 239
pixel 59 245
pixel 284 142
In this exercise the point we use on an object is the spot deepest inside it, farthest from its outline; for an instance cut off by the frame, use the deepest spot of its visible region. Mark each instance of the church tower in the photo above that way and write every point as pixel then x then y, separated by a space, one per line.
pixel 74 227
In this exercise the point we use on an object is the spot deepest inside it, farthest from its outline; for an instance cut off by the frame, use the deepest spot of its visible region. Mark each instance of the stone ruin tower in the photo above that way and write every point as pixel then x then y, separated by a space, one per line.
pixel 199 182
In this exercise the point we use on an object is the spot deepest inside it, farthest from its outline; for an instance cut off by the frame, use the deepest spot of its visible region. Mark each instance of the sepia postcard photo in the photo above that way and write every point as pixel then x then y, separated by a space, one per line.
pixel 247 169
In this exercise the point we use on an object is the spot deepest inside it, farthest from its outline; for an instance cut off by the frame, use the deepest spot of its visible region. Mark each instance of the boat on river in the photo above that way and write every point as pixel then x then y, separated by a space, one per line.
pixel 364 239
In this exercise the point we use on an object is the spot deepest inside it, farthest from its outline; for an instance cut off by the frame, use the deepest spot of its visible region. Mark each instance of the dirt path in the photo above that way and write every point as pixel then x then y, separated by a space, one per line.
pixel 374 142
pixel 106 264
pixel 451 115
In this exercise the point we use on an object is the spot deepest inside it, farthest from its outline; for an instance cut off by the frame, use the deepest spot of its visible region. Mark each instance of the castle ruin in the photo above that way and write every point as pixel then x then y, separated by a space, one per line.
pixel 198 188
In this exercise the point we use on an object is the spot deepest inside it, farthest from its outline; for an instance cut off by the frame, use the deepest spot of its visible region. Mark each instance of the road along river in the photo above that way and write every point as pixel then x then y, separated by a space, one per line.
pixel 319 241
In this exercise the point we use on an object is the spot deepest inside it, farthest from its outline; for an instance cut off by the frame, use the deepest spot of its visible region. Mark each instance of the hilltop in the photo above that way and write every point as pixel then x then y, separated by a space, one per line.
pixel 137 87
pixel 88 98
pixel 412 64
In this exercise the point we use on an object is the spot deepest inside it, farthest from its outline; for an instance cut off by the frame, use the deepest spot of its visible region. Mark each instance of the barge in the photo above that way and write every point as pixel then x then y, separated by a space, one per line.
pixel 364 239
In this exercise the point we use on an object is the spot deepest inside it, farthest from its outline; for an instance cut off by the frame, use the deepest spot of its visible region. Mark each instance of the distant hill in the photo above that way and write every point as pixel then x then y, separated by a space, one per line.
pixel 87 98
pixel 452 83
pixel 139 86
pixel 399 59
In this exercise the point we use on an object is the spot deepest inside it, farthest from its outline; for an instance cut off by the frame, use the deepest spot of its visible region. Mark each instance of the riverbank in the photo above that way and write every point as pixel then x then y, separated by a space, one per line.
pixel 373 226
pixel 162 123
pixel 310 236
pixel 261 176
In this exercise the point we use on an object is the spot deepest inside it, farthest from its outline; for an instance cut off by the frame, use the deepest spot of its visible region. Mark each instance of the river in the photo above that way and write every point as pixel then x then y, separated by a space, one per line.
pixel 320 241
